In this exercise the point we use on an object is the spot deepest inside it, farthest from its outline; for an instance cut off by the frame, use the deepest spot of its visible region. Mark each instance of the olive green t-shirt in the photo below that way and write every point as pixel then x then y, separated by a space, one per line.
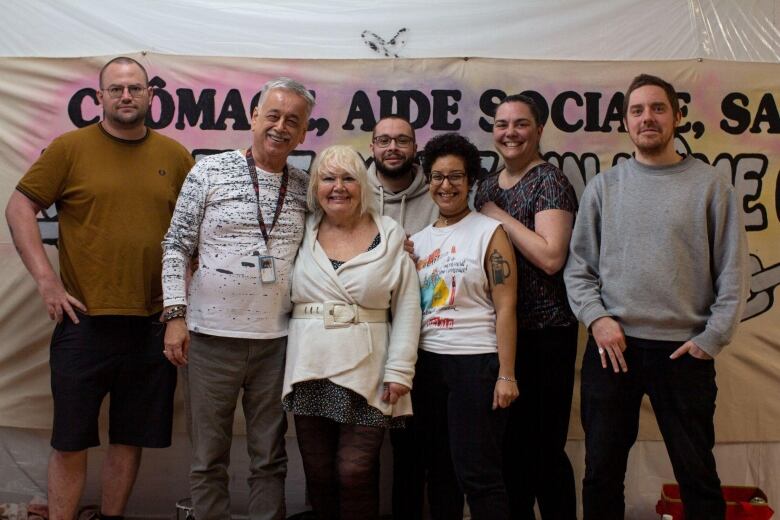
pixel 114 200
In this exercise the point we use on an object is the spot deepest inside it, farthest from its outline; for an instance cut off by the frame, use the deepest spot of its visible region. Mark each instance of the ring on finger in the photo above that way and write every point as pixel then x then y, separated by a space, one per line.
pixel 601 351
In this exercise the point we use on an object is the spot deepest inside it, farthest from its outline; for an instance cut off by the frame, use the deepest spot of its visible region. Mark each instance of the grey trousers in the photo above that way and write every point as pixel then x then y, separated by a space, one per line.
pixel 218 369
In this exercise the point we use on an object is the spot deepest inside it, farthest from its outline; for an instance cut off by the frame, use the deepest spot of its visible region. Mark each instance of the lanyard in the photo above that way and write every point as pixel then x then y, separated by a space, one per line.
pixel 250 162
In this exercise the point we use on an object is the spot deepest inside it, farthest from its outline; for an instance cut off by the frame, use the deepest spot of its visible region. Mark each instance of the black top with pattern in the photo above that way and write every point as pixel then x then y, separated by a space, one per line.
pixel 323 398
pixel 541 298
pixel 338 263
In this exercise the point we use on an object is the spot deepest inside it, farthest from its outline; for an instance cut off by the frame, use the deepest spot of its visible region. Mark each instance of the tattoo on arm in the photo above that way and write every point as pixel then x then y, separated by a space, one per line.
pixel 499 267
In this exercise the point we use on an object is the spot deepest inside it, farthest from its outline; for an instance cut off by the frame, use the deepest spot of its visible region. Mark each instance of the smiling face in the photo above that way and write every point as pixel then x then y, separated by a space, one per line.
pixel 278 125
pixel 125 112
pixel 393 160
pixel 451 199
pixel 651 121
pixel 516 133
pixel 338 192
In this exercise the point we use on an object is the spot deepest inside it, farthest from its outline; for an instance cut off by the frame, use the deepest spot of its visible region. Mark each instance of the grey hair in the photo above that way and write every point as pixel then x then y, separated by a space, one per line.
pixel 347 159
pixel 288 84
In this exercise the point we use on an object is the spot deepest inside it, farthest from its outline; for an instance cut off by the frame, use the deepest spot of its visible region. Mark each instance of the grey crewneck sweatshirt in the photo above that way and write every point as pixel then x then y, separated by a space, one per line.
pixel 663 251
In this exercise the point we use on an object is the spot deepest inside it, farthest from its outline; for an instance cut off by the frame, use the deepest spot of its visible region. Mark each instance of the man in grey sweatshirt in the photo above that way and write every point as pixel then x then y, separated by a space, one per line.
pixel 656 272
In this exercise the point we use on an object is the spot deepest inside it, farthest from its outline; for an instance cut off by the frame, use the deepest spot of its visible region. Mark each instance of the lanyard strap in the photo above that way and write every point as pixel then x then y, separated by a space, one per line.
pixel 250 163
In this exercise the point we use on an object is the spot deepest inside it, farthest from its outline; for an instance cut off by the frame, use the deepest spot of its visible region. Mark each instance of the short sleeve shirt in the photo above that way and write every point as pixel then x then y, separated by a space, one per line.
pixel 541 298
pixel 114 201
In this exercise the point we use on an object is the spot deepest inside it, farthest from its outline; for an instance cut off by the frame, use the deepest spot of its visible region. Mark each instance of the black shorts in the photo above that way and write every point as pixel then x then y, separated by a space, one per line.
pixel 117 355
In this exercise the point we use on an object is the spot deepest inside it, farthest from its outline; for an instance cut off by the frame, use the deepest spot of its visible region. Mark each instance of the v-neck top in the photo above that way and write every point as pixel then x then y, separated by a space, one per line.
pixel 541 298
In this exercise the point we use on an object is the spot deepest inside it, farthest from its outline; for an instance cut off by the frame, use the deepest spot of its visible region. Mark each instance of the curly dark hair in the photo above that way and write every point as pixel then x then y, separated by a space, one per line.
pixel 452 144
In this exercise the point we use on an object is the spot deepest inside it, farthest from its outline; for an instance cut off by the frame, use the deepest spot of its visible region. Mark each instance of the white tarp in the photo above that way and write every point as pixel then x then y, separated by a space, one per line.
pixel 624 30
pixel 745 30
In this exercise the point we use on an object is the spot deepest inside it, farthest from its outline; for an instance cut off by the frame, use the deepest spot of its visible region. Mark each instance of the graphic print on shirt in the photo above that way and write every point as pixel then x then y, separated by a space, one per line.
pixel 438 287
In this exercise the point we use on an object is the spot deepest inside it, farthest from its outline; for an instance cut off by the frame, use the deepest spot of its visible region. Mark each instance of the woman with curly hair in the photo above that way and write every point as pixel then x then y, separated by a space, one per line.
pixel 465 374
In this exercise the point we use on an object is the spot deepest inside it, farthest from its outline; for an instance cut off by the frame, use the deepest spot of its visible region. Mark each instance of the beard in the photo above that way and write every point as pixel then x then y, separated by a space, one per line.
pixel 653 147
pixel 396 172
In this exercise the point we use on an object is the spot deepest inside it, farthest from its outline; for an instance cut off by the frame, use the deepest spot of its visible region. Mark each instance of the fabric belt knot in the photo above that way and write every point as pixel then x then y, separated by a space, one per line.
pixel 336 314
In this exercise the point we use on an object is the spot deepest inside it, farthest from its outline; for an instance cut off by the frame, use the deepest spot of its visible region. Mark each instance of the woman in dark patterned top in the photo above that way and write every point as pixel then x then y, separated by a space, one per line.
pixel 536 204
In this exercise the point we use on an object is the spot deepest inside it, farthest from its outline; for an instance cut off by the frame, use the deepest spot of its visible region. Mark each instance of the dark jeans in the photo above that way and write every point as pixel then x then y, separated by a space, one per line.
pixel 682 393
pixel 536 467
pixel 408 472
pixel 462 435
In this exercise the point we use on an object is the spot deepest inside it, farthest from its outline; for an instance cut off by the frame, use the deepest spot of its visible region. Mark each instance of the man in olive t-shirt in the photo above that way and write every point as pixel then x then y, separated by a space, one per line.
pixel 115 185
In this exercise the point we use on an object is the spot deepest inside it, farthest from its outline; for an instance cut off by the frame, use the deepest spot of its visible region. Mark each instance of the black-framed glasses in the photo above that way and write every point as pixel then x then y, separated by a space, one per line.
pixel 116 91
pixel 456 179
pixel 383 141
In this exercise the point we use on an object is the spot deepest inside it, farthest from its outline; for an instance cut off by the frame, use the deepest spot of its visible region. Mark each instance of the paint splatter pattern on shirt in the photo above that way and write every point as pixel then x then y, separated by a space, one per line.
pixel 217 213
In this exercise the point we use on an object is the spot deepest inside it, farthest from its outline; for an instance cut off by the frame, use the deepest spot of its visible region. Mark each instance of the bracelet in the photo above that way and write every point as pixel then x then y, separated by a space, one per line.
pixel 173 312
pixel 508 379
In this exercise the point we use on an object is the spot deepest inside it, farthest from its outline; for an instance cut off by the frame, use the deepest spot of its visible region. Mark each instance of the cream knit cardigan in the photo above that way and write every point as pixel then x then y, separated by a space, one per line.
pixel 362 356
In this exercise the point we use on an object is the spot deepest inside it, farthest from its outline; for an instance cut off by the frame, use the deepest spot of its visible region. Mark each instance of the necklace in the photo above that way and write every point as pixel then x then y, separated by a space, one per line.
pixel 451 219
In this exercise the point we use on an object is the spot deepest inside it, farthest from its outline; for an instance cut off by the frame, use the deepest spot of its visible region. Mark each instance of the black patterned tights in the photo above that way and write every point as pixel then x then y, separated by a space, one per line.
pixel 341 462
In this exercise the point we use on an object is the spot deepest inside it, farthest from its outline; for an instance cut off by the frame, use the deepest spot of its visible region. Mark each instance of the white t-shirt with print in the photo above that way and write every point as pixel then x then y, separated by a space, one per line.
pixel 458 315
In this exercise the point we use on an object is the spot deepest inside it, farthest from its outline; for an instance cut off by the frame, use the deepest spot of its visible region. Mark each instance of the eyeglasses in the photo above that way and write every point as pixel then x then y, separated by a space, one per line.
pixel 115 91
pixel 402 141
pixel 455 179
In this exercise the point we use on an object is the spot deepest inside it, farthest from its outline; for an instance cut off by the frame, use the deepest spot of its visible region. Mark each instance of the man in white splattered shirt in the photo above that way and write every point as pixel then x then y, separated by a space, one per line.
pixel 244 212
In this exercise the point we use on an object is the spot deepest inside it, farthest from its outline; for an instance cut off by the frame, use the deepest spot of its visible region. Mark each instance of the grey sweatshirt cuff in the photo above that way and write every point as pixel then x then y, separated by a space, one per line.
pixel 710 342
pixel 591 312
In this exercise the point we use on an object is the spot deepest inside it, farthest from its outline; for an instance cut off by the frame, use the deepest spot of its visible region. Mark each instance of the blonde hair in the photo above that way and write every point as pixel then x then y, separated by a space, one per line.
pixel 343 158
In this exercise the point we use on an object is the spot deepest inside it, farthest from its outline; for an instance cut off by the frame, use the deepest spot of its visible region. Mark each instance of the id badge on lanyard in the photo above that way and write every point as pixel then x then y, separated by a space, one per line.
pixel 267 268
pixel 266 264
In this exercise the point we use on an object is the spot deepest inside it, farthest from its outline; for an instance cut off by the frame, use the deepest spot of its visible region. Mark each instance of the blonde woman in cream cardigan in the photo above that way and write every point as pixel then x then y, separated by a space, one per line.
pixel 349 369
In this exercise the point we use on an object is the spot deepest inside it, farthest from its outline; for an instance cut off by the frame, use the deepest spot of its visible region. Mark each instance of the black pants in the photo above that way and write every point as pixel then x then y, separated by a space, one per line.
pixel 536 467
pixel 682 393
pixel 462 435
pixel 408 472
